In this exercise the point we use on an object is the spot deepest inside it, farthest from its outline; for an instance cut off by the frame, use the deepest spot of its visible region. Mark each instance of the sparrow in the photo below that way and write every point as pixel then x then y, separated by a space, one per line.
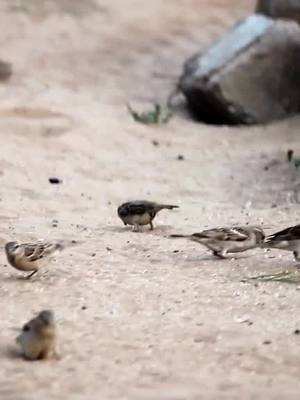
pixel 31 256
pixel 228 240
pixel 141 212
pixel 287 239
pixel 38 337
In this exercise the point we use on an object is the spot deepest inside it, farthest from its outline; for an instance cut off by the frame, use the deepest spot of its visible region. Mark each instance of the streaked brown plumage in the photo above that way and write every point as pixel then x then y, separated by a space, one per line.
pixel 228 240
pixel 31 256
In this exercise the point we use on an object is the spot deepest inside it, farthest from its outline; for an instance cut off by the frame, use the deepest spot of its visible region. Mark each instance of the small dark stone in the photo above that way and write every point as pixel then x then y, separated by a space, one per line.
pixel 93 254
pixel 155 143
pixel 5 70
pixel 84 307
pixel 297 332
pixel 175 251
pixel 55 180
pixel 198 340
pixel 108 248
pixel 180 157
pixel 266 168
pixel 273 205
pixel 267 342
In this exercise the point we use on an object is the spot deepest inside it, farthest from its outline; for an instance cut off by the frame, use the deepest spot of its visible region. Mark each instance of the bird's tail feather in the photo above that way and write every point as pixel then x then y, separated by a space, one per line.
pixel 166 206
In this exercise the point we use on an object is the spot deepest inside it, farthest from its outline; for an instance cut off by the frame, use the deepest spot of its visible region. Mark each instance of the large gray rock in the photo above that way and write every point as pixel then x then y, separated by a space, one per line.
pixel 287 9
pixel 251 75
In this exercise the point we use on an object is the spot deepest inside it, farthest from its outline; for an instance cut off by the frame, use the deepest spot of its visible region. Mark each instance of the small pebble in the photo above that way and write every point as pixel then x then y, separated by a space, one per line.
pixel 155 143
pixel 297 332
pixel 180 157
pixel 84 307
pixel 55 180
pixel 267 342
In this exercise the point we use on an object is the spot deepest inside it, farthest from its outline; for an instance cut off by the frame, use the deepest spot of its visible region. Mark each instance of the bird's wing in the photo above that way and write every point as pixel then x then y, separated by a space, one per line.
pixel 224 234
pixel 36 251
pixel 140 207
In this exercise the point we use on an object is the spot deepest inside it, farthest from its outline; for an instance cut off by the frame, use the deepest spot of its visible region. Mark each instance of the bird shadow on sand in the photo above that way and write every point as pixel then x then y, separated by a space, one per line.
pixel 18 278
pixel 46 277
pixel 143 229
pixel 212 258
pixel 11 352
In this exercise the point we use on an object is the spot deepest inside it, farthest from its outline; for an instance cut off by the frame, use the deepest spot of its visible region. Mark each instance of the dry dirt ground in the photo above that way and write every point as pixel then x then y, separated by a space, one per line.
pixel 140 316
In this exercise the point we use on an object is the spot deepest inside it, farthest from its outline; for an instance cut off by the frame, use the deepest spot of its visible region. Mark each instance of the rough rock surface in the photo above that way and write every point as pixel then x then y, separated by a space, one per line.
pixel 288 9
pixel 251 75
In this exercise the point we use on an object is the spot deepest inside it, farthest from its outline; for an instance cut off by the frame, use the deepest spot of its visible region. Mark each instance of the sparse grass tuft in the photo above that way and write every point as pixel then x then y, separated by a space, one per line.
pixel 155 116
pixel 283 276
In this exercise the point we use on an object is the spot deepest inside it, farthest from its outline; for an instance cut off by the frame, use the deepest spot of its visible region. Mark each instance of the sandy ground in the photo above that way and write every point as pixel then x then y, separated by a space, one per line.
pixel 140 316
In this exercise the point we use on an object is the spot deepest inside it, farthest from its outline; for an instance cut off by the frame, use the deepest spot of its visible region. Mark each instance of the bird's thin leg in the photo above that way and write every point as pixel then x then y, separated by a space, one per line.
pixel 136 228
pixel 151 226
pixel 56 354
pixel 220 254
pixel 30 275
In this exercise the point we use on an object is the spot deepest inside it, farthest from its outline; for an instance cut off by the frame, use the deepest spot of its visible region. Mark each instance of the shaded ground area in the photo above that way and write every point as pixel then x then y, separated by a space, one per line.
pixel 141 316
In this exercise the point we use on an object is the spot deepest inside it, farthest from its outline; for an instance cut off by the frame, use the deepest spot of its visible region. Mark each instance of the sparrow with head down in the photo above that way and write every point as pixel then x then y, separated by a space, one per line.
pixel 222 241
pixel 141 212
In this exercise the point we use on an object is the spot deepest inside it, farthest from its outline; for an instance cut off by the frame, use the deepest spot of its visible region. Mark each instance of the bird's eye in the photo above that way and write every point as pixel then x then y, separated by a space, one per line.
pixel 26 328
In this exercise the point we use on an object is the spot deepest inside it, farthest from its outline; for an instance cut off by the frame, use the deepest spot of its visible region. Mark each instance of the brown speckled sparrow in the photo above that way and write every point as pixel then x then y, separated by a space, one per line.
pixel 32 256
pixel 287 239
pixel 38 337
pixel 228 240
pixel 141 212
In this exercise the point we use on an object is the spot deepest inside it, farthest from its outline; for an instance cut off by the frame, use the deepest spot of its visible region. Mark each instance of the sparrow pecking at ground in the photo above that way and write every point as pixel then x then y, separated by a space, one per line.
pixel 287 239
pixel 32 256
pixel 38 337
pixel 141 212
pixel 228 240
